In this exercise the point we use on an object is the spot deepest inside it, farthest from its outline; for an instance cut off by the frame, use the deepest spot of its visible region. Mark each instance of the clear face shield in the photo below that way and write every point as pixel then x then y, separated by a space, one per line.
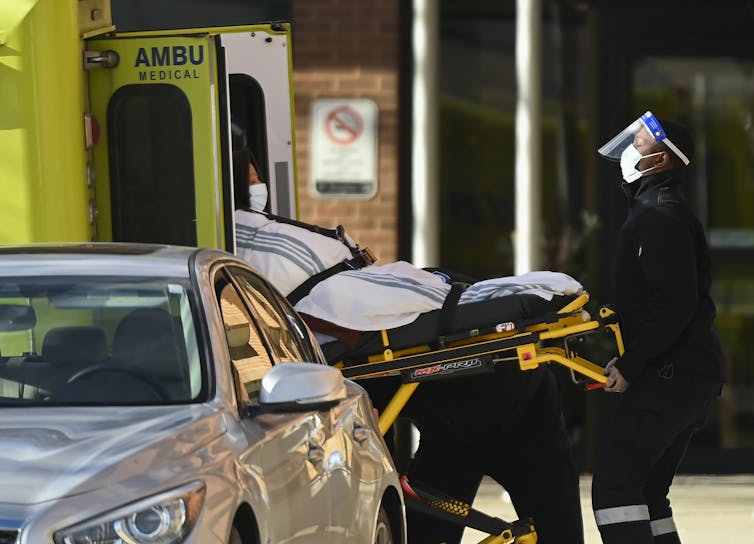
pixel 635 142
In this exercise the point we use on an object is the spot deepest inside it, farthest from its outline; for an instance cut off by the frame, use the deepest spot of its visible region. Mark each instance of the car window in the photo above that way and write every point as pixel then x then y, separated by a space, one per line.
pixel 247 350
pixel 300 333
pixel 67 340
pixel 309 346
pixel 285 338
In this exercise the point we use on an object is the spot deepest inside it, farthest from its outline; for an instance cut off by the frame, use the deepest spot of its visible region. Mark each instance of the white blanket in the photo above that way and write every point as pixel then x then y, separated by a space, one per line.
pixel 542 283
pixel 392 295
pixel 372 298
pixel 375 297
pixel 286 255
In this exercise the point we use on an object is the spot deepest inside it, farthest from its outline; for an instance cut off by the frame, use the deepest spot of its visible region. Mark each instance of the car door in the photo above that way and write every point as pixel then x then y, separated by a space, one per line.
pixel 349 448
pixel 282 455
pixel 353 491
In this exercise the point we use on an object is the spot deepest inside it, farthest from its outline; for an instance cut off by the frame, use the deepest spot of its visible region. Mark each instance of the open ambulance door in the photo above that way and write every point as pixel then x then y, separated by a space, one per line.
pixel 259 69
pixel 161 103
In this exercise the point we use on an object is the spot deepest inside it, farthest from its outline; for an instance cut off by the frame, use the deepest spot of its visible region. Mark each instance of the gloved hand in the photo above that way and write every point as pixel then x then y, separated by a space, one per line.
pixel 616 383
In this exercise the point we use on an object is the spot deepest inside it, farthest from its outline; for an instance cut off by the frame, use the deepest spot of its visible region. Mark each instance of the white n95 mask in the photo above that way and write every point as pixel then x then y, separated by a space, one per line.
pixel 629 158
pixel 258 196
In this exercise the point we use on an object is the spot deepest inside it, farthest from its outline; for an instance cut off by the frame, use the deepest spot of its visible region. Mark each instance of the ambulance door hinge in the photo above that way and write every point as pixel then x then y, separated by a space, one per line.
pixel 101 59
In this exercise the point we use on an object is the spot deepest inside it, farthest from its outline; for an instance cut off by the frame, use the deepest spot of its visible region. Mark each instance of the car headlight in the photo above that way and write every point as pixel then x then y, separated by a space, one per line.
pixel 161 519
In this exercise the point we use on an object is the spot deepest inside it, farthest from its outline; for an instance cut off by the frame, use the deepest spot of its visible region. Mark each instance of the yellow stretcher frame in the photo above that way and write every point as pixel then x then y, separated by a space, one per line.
pixel 568 322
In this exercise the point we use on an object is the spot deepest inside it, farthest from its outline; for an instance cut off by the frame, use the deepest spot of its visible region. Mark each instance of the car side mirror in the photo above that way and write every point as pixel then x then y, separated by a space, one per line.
pixel 292 387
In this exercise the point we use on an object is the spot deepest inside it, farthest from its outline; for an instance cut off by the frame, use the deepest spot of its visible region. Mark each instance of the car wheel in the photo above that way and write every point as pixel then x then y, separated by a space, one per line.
pixel 235 536
pixel 383 533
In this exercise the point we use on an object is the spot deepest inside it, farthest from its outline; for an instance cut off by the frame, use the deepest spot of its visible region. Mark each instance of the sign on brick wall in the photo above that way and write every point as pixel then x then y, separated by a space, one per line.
pixel 344 148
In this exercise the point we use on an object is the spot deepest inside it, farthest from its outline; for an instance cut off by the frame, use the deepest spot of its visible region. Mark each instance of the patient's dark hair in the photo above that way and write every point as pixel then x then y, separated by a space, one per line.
pixel 241 160
pixel 242 156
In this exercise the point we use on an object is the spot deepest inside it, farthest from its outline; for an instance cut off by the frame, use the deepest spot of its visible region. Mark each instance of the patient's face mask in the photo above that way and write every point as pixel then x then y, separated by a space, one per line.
pixel 629 158
pixel 258 196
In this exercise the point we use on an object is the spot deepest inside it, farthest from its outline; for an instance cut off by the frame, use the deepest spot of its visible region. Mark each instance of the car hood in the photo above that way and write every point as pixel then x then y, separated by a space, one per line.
pixel 46 454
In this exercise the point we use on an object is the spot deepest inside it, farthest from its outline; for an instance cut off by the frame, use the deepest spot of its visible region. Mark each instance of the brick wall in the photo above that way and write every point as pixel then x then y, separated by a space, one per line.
pixel 350 49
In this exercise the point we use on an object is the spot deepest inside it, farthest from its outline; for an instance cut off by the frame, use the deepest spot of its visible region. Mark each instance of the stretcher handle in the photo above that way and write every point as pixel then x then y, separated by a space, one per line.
pixel 575 304
pixel 610 320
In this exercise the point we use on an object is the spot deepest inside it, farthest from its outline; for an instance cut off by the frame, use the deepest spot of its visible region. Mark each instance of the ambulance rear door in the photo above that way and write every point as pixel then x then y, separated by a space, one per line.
pixel 154 104
pixel 259 72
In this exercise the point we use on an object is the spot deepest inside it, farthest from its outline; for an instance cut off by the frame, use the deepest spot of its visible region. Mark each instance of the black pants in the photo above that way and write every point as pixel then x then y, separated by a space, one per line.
pixel 640 455
pixel 531 460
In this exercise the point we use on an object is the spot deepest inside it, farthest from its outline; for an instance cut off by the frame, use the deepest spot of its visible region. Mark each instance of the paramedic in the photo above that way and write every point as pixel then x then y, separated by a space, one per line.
pixel 507 425
pixel 673 366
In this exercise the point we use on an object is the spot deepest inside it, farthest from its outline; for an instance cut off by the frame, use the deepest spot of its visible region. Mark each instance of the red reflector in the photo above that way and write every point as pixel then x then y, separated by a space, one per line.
pixel 95 130
pixel 91 130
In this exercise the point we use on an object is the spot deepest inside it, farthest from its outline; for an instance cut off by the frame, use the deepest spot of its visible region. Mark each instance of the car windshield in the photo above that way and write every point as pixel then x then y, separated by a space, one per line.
pixel 97 341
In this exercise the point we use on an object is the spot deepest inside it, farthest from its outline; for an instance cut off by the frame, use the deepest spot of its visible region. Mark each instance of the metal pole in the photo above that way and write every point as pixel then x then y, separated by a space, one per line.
pixel 528 235
pixel 424 183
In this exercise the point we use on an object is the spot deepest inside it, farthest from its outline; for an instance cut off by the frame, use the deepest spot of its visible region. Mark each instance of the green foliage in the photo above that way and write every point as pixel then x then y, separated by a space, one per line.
pixel 477 190
pixel 477 200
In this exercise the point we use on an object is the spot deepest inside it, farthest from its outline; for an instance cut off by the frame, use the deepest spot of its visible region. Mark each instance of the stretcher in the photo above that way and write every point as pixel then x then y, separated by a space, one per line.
pixel 521 329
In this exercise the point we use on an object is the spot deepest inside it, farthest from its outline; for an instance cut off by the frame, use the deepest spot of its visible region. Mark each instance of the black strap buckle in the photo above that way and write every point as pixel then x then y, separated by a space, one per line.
pixel 368 256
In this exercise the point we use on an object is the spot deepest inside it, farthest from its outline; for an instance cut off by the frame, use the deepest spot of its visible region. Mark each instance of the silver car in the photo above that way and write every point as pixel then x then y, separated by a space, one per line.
pixel 143 400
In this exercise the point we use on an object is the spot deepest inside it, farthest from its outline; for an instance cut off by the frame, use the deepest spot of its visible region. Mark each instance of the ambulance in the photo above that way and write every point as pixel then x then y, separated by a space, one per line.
pixel 125 136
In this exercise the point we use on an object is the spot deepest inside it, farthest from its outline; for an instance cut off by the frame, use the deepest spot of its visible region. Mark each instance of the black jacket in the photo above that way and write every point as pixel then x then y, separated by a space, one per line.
pixel 662 281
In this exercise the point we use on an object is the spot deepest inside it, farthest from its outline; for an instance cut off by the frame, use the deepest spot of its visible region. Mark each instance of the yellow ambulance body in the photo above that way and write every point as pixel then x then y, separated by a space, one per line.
pixel 108 136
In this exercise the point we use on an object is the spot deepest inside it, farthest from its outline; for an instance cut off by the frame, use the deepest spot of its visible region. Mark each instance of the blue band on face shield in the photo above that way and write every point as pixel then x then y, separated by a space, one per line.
pixel 658 133
pixel 653 126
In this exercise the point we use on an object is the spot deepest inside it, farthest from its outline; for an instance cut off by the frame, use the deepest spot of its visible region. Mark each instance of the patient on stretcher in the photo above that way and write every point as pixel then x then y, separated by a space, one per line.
pixel 339 290
pixel 373 297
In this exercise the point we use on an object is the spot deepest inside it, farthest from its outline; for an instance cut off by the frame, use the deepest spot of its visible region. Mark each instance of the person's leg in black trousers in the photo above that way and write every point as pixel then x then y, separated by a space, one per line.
pixel 657 488
pixel 640 453
pixel 534 464
pixel 453 470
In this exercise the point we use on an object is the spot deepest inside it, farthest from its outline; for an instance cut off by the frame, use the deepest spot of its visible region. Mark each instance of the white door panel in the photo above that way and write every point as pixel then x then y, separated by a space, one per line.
pixel 265 57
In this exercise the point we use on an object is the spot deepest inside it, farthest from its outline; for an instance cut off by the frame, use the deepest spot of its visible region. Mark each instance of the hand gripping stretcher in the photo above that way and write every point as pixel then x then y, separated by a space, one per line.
pixel 524 334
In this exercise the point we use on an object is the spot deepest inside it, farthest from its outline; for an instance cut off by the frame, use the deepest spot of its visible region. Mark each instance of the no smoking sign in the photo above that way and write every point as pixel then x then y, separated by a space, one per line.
pixel 344 125
pixel 344 148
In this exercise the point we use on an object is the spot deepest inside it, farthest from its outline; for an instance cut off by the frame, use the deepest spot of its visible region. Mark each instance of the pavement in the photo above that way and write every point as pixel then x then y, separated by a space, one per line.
pixel 706 509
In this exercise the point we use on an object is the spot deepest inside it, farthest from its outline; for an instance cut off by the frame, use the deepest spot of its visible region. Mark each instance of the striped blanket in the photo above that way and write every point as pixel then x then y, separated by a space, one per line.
pixel 372 298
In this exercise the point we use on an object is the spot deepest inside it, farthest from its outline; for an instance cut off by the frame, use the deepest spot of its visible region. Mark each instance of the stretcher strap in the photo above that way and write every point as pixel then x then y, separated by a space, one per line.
pixel 448 311
pixel 359 261
pixel 338 233
pixel 361 257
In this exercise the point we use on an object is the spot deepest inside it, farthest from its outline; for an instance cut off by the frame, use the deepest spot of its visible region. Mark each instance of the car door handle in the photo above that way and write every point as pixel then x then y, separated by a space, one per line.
pixel 315 454
pixel 360 433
